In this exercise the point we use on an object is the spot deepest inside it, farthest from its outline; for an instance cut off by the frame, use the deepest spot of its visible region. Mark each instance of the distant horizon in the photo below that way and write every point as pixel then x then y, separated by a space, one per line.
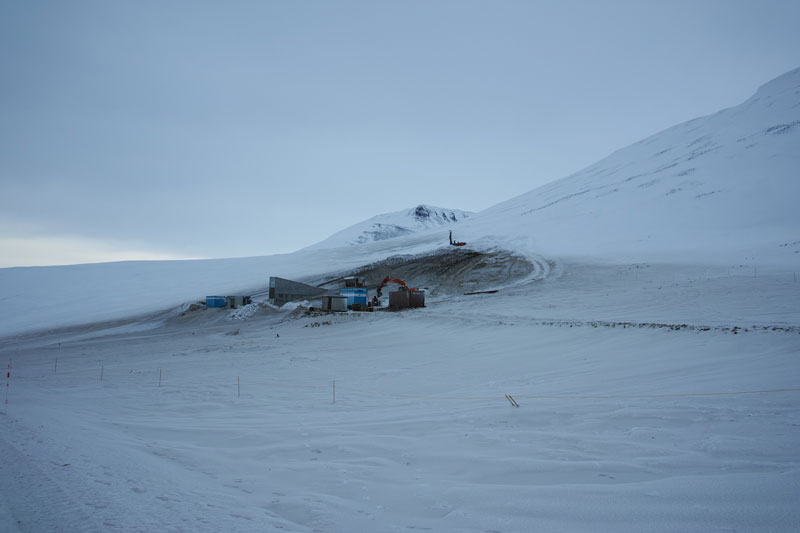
pixel 144 132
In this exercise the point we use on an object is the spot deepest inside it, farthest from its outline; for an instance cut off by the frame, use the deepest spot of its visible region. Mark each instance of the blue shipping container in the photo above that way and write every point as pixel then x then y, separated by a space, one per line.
pixel 215 301
pixel 355 295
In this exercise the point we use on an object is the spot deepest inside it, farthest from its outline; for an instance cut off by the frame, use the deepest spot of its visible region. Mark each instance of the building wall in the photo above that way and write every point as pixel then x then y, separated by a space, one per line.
pixel 354 295
pixel 334 303
pixel 405 299
pixel 283 290
pixel 416 299
pixel 399 300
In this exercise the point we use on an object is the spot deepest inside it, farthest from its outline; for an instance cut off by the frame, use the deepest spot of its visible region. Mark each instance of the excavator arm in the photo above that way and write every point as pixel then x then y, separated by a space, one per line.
pixel 388 280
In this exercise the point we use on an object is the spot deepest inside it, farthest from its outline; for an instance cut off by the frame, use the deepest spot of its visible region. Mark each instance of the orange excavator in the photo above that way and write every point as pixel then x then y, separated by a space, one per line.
pixel 387 279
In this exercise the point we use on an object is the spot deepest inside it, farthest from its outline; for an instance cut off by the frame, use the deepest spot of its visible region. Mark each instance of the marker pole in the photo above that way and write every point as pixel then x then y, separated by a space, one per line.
pixel 8 378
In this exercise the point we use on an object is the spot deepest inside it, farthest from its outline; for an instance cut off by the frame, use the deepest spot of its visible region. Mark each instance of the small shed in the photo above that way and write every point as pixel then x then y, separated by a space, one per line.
pixel 334 303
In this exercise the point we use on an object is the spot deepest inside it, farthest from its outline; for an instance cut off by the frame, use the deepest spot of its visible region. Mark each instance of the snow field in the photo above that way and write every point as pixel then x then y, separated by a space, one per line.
pixel 420 435
pixel 699 297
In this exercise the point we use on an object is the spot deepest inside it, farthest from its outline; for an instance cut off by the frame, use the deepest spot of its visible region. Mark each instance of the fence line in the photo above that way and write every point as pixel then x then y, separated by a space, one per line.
pixel 175 382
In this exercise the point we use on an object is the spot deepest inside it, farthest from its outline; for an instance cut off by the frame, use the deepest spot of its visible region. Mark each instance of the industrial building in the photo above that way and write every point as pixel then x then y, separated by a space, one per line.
pixel 283 290
pixel 355 291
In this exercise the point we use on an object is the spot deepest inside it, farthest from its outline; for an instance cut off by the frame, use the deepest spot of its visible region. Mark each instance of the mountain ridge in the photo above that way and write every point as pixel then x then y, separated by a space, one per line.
pixel 395 224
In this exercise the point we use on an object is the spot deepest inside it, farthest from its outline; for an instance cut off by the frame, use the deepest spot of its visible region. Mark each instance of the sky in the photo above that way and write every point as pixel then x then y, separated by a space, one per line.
pixel 191 129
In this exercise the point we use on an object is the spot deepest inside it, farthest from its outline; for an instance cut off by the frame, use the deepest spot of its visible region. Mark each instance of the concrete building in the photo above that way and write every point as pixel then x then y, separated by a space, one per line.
pixel 283 290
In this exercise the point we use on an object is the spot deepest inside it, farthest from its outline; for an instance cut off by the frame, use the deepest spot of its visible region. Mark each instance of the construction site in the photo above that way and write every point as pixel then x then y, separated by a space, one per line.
pixel 396 283
pixel 404 282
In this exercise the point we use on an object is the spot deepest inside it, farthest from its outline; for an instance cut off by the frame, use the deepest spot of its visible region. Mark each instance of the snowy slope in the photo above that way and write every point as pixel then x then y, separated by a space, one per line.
pixel 391 225
pixel 726 185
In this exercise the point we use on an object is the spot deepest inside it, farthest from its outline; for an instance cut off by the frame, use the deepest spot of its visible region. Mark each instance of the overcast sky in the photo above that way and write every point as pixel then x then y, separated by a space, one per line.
pixel 154 129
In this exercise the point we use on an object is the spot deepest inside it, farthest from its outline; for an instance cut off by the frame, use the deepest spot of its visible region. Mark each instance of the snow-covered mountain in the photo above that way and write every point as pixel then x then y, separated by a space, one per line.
pixel 724 187
pixel 723 184
pixel 390 225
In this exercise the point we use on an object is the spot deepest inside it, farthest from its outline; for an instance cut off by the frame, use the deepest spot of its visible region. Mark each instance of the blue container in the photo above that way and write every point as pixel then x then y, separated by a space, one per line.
pixel 355 295
pixel 215 301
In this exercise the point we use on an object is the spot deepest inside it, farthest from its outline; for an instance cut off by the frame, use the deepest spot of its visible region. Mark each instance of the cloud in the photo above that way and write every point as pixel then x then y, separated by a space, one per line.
pixel 68 250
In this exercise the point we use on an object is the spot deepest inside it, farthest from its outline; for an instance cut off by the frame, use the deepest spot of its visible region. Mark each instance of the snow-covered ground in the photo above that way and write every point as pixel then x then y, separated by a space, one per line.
pixel 616 430
pixel 650 335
